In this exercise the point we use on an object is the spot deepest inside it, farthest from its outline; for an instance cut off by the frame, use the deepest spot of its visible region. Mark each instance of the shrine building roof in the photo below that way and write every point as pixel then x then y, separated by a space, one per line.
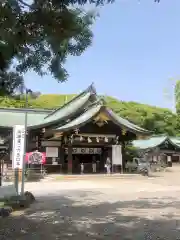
pixel 77 112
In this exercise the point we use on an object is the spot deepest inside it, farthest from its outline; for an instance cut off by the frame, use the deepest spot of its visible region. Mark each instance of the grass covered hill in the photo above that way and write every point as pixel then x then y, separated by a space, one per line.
pixel 156 119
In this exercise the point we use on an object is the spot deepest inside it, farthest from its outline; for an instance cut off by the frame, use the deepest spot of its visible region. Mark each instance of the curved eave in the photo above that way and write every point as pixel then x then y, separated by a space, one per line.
pixel 157 143
pixel 90 90
pixel 173 143
pixel 81 120
pixel 126 124
pixel 65 113
pixel 93 112
pixel 148 143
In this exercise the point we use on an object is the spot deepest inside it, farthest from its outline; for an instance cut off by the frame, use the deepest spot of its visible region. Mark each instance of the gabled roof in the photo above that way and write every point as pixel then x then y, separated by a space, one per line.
pixel 82 119
pixel 74 102
pixel 155 141
pixel 75 113
pixel 38 118
pixel 12 117
pixel 175 140
pixel 68 110
pixel 92 112
pixel 125 123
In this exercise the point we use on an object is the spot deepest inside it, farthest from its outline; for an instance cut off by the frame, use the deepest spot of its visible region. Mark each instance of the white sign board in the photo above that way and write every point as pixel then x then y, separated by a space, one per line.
pixel 18 147
pixel 116 155
pixel 51 152
pixel 169 158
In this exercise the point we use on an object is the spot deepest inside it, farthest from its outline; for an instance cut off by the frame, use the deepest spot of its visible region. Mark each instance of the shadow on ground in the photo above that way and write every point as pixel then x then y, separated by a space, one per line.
pixel 86 215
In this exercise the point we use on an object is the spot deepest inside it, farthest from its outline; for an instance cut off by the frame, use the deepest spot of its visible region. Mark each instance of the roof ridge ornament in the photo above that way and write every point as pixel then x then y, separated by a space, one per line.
pixel 92 88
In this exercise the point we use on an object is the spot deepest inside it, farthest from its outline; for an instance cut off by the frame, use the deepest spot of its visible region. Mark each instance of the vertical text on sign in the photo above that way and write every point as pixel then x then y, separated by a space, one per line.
pixel 18 146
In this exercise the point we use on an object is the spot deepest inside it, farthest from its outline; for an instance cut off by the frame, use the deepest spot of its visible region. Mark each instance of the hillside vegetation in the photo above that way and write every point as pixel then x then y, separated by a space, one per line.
pixel 156 119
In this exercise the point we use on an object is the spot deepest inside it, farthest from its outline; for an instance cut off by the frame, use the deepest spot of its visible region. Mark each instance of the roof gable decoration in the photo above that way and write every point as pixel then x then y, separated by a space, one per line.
pixel 96 112
pixel 101 119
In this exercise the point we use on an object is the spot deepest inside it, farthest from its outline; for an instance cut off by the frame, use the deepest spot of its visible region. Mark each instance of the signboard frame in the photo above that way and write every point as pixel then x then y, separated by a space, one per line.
pixel 18 147
pixel 52 152
pixel 85 150
pixel 117 154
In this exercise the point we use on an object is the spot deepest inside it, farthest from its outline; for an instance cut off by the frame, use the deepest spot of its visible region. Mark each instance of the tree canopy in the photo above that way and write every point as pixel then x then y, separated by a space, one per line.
pixel 39 35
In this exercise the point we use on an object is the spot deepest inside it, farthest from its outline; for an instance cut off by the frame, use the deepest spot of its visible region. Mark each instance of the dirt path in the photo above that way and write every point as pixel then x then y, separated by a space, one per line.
pixel 130 209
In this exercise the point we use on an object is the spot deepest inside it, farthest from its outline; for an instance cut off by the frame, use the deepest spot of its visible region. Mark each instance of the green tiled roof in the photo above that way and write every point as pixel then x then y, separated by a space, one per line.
pixel 77 100
pixel 9 119
pixel 72 113
pixel 175 140
pixel 82 119
pixel 93 111
pixel 154 142
pixel 126 124
pixel 64 112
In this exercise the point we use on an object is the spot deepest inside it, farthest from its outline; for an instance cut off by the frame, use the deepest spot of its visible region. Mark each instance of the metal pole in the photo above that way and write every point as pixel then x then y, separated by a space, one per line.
pixel 1 173
pixel 25 133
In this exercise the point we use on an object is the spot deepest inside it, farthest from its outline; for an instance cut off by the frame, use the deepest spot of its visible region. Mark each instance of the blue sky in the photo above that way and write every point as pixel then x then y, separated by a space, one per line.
pixel 135 51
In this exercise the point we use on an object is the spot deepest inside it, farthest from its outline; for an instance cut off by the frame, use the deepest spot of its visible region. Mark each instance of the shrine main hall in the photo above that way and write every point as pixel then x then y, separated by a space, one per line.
pixel 83 130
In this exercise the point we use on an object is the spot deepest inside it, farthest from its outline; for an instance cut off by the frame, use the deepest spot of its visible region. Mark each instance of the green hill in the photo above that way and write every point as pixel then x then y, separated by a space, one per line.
pixel 49 101
pixel 157 119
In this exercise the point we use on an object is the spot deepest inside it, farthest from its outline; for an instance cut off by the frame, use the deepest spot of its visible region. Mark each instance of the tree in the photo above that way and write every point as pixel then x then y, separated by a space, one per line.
pixel 10 82
pixel 39 35
pixel 158 120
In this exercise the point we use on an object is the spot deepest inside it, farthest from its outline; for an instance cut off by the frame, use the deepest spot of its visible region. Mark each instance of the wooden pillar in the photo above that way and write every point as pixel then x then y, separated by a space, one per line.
pixel 110 153
pixel 103 160
pixel 123 156
pixel 70 159
pixel 61 157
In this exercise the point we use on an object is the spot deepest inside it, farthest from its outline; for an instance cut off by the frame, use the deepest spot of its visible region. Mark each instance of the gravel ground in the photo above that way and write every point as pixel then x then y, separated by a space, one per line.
pixel 122 209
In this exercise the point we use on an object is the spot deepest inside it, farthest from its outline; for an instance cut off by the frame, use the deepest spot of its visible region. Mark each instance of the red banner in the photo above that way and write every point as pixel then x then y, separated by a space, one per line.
pixel 36 157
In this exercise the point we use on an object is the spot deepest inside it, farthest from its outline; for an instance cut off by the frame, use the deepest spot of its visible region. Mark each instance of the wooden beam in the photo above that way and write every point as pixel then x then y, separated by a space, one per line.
pixel 58 135
pixel 96 135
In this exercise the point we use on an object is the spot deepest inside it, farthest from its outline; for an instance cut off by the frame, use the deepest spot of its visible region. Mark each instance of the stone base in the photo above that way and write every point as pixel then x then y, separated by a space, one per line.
pixel 18 202
pixel 5 211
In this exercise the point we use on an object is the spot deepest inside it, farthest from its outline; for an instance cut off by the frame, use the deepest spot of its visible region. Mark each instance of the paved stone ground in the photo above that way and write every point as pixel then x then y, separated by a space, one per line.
pixel 122 209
